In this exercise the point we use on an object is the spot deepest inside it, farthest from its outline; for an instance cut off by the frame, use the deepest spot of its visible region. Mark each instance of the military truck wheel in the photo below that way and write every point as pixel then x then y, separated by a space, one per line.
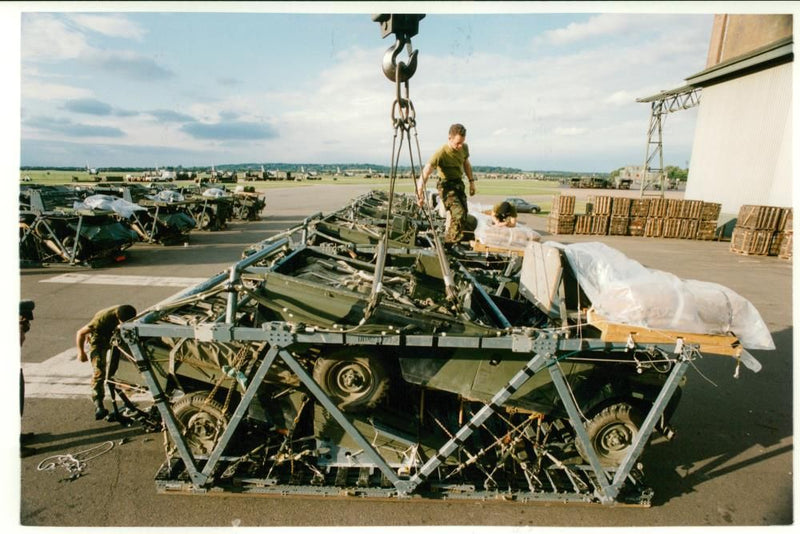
pixel 611 433
pixel 202 421
pixel 354 383
pixel 204 219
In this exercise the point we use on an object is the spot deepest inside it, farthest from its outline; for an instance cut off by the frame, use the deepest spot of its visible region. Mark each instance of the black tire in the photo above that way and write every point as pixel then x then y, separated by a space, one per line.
pixel 353 382
pixel 611 433
pixel 202 421
pixel 204 219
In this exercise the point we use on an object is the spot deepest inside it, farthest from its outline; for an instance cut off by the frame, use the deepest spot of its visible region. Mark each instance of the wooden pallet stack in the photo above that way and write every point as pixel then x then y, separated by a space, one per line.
pixel 761 230
pixel 561 219
pixel 649 217
pixel 657 211
pixel 620 216
pixel 707 225
pixel 785 247
pixel 681 219
pixel 601 214
pixel 639 209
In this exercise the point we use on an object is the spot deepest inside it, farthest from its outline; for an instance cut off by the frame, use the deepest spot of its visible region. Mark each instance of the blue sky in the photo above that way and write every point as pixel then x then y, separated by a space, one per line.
pixel 535 90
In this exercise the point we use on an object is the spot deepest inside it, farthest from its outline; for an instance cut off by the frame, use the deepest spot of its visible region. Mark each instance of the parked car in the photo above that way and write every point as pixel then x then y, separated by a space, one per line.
pixel 523 206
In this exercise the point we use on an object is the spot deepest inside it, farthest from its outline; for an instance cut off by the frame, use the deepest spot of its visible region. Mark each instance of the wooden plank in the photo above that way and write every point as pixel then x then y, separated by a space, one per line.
pixel 563 205
pixel 724 345
pixel 477 246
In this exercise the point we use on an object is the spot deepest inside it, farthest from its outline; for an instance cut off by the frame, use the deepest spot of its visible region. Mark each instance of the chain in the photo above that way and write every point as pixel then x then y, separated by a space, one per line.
pixel 404 121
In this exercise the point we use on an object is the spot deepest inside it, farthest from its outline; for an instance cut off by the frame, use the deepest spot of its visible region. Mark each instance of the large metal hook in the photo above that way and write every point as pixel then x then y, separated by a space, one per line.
pixel 392 68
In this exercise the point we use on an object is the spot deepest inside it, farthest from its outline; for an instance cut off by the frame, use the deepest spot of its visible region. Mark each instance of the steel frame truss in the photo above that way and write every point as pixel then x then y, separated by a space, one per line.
pixel 545 348
pixel 660 106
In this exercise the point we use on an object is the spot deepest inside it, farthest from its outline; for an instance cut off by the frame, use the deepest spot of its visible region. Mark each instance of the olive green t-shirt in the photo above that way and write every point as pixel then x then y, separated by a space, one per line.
pixel 103 325
pixel 449 162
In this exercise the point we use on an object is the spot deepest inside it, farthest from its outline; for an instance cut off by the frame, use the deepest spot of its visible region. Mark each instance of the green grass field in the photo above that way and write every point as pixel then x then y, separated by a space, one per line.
pixel 494 187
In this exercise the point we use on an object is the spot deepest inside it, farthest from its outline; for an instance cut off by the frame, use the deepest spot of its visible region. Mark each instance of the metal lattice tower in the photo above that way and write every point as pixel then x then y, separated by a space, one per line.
pixel 665 102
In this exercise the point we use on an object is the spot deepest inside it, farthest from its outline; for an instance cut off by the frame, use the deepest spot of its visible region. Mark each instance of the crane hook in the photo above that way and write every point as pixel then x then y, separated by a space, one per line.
pixel 392 68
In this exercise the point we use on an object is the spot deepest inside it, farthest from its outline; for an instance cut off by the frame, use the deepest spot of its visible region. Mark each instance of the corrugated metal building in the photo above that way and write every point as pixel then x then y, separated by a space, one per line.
pixel 742 151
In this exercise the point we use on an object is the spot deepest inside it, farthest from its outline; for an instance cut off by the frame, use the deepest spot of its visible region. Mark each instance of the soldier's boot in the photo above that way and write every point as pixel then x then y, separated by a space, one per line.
pixel 99 410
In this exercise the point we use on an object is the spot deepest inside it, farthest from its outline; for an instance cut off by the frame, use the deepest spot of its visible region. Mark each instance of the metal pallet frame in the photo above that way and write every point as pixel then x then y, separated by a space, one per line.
pixel 546 349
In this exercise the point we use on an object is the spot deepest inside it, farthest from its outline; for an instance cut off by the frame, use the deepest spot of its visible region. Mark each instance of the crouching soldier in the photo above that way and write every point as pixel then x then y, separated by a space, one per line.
pixel 99 331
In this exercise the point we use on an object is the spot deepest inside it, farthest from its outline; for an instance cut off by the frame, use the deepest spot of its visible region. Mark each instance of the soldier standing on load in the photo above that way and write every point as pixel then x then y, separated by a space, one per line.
pixel 99 331
pixel 452 161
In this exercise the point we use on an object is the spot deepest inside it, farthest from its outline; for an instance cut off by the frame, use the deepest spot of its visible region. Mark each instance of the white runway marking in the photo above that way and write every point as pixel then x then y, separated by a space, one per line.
pixel 61 377
pixel 124 280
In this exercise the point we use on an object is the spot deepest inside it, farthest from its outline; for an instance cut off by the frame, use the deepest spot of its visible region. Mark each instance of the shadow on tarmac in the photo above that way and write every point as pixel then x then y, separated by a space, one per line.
pixel 728 426
pixel 47 443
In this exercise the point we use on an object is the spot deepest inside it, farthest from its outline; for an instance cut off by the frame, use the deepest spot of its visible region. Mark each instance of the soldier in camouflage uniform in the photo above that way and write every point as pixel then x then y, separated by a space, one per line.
pixel 98 331
pixel 452 162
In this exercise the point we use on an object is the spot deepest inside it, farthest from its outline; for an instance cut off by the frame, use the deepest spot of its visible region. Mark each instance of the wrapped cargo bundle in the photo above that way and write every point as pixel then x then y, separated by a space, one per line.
pixel 625 291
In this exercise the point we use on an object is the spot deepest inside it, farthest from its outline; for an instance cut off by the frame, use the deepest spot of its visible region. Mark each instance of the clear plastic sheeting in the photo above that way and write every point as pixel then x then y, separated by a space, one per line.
pixel 500 236
pixel 215 192
pixel 624 291
pixel 109 203
pixel 168 196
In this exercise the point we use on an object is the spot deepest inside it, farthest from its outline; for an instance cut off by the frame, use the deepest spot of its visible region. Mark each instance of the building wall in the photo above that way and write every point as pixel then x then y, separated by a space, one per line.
pixel 742 151
pixel 735 35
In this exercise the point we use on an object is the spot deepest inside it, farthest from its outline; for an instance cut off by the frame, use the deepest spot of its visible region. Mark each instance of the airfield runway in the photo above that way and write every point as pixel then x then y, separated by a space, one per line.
pixel 730 463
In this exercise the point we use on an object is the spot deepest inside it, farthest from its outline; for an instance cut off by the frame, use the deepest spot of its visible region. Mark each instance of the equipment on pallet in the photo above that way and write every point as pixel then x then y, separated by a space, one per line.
pixel 51 230
pixel 164 219
pixel 278 376
pixel 352 355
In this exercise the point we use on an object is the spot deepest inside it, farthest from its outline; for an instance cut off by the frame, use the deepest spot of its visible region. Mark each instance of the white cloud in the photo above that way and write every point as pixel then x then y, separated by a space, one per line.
pixel 110 25
pixel 37 90
pixel 621 98
pixel 45 37
pixel 571 131
pixel 597 26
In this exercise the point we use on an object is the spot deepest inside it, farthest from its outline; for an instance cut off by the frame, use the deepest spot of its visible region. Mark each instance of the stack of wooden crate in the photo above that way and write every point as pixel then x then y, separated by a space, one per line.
pixel 596 219
pixel 649 217
pixel 620 216
pixel 760 230
pixel 639 209
pixel 561 219
pixel 785 248
pixel 657 210
pixel 681 218
pixel 707 225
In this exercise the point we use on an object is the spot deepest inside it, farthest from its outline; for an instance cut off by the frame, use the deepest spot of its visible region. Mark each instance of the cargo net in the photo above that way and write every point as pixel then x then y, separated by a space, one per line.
pixel 512 456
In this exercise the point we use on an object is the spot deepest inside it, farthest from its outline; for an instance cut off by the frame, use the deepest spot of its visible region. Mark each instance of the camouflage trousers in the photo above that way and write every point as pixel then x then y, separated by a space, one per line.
pixel 97 356
pixel 454 199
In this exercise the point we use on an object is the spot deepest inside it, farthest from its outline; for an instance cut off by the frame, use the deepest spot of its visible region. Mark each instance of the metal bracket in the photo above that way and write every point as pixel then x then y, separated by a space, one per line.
pixel 399 24
pixel 278 334
pixel 213 332
pixel 541 344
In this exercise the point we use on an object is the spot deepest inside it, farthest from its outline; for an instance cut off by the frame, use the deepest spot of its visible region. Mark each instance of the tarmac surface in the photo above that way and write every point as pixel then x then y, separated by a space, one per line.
pixel 730 464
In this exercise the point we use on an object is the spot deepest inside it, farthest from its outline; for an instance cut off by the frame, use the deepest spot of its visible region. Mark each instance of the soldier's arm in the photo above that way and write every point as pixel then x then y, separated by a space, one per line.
pixel 80 339
pixel 468 171
pixel 426 172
